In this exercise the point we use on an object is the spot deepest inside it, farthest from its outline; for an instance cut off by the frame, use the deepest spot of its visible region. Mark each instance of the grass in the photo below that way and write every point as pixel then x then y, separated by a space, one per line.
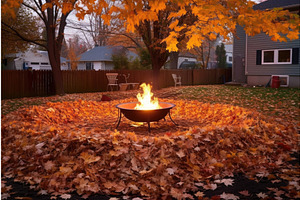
pixel 282 102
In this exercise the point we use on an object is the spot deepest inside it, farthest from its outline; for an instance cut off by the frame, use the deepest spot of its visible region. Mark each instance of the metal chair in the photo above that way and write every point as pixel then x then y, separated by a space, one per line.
pixel 177 79
pixel 112 81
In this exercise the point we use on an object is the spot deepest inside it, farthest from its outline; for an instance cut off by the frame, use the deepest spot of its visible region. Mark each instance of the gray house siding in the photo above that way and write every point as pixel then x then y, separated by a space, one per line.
pixel 261 74
pixel 250 48
pixel 238 70
pixel 263 42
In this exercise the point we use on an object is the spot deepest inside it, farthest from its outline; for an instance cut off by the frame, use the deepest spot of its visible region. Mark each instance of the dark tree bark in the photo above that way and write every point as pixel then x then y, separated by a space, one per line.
pixel 153 33
pixel 55 23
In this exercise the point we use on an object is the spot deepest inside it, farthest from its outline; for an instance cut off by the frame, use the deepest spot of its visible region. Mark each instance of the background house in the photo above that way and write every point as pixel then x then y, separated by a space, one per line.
pixel 257 58
pixel 185 57
pixel 229 49
pixel 35 60
pixel 100 58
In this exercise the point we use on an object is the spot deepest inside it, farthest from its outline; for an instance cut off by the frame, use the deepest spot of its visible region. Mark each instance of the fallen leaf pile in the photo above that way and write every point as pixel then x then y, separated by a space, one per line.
pixel 73 146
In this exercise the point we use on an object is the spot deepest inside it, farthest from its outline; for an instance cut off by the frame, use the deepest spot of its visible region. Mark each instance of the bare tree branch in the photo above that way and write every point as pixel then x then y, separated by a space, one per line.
pixel 37 42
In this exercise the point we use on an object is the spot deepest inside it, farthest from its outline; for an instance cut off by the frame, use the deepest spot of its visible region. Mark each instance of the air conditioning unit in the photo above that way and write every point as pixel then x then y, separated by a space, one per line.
pixel 284 80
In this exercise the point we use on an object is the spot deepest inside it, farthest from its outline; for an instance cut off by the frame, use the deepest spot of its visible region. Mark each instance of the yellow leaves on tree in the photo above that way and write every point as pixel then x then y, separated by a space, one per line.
pixel 211 17
pixel 214 17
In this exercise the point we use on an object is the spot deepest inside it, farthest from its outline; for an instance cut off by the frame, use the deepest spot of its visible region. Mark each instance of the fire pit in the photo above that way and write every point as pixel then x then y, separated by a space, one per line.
pixel 146 110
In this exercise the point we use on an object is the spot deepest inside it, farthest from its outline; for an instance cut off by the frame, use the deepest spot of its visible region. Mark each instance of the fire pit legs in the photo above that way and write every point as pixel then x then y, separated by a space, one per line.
pixel 171 119
pixel 149 127
pixel 119 118
pixel 149 130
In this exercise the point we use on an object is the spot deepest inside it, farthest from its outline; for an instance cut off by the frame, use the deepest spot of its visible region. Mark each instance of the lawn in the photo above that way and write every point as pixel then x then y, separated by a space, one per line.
pixel 227 138
pixel 283 102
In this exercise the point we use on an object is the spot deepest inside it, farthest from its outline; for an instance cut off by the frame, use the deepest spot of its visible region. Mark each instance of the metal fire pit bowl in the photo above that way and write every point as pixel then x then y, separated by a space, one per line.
pixel 127 109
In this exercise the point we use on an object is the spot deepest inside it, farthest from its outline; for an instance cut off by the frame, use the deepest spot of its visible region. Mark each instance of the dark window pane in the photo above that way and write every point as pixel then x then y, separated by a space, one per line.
pixel 284 56
pixel 268 56
pixel 88 66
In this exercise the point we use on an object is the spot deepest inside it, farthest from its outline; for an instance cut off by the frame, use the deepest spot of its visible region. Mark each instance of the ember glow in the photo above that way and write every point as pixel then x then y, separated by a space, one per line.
pixel 145 99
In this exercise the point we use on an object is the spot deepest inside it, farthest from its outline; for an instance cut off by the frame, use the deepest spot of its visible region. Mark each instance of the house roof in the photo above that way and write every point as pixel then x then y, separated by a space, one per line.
pixel 186 54
pixel 103 53
pixel 22 55
pixel 276 4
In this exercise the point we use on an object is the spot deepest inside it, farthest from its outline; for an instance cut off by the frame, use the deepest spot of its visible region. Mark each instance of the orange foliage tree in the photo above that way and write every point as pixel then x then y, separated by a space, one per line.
pixel 75 48
pixel 164 23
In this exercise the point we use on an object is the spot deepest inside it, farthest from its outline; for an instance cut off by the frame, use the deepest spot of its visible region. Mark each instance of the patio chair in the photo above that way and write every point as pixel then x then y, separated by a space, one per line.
pixel 177 79
pixel 112 81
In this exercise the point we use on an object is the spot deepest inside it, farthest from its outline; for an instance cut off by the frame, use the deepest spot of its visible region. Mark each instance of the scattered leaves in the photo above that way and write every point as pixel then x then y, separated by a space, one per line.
pixel 78 148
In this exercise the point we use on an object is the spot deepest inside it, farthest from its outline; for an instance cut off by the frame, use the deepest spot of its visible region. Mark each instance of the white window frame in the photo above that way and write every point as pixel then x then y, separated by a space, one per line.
pixel 276 53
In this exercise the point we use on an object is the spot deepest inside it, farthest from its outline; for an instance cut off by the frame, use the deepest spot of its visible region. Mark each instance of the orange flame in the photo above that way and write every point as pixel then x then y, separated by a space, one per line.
pixel 145 99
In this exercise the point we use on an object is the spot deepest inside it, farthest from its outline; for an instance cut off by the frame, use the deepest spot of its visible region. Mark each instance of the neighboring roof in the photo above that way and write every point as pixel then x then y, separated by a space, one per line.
pixel 45 53
pixel 276 4
pixel 103 53
pixel 62 59
pixel 186 54
pixel 21 55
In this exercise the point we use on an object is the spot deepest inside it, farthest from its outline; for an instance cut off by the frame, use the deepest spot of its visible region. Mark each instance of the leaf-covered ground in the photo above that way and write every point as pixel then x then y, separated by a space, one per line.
pixel 225 137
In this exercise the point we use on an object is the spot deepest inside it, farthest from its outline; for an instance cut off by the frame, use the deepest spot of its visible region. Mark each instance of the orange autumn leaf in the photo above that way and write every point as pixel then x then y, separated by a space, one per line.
pixel 88 158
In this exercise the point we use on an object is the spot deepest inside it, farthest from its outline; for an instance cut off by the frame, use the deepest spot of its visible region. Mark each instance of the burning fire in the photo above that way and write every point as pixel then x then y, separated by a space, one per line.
pixel 145 99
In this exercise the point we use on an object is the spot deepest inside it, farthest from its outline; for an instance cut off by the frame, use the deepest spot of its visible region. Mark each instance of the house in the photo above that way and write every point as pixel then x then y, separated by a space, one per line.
pixel 186 57
pixel 100 58
pixel 31 59
pixel 180 60
pixel 257 58
pixel 228 49
pixel 213 63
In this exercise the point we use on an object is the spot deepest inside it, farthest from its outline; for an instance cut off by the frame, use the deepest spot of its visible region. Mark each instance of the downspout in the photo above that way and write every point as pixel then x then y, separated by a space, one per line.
pixel 246 55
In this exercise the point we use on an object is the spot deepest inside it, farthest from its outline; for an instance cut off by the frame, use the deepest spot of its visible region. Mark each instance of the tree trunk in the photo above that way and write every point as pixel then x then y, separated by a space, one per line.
pixel 156 74
pixel 54 49
pixel 57 73
pixel 174 60
pixel 158 60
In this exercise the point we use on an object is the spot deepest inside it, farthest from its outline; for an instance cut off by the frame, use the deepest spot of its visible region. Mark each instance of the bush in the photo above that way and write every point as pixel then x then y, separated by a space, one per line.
pixel 120 60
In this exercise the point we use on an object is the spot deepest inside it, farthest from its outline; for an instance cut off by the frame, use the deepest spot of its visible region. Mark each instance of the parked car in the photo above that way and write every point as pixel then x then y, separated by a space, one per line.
pixel 188 65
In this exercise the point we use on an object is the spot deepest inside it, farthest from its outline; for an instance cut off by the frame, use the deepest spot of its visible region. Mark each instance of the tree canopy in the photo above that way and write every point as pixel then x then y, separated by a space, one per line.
pixel 16 31
pixel 214 17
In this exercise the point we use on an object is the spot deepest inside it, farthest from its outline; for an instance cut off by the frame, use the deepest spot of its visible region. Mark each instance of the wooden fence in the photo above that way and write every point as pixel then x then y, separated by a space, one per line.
pixel 17 84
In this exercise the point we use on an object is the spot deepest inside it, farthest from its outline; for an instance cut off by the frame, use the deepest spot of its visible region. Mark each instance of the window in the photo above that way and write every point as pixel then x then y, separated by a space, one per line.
pixel 34 63
pixel 284 56
pixel 277 56
pixel 44 63
pixel 89 66
pixel 230 58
